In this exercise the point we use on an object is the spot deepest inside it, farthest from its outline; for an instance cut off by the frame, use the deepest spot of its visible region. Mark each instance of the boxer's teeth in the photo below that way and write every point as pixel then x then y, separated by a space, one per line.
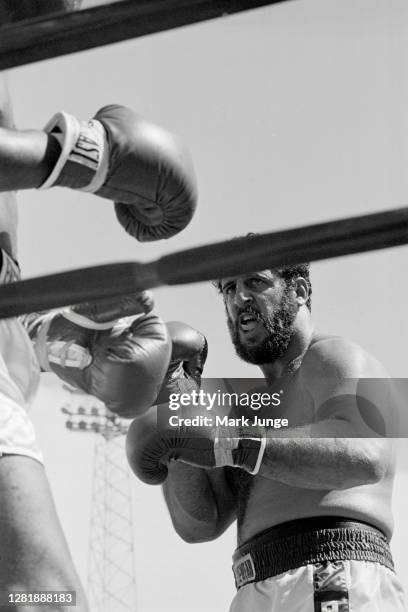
pixel 247 322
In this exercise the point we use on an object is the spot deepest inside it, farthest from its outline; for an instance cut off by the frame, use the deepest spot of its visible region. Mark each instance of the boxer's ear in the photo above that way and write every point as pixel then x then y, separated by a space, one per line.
pixel 301 288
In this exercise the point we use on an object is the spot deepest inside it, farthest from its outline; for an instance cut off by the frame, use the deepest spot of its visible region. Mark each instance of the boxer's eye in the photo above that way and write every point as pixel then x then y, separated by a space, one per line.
pixel 228 288
pixel 256 283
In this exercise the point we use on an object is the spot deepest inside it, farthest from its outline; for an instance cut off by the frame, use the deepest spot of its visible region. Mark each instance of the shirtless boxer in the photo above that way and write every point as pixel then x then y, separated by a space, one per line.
pixel 313 501
pixel 154 191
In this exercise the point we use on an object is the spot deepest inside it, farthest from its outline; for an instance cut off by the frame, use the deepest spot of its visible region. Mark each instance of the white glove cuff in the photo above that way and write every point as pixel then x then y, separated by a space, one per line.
pixel 40 343
pixel 59 352
pixel 83 143
pixel 82 321
pixel 224 445
pixel 260 456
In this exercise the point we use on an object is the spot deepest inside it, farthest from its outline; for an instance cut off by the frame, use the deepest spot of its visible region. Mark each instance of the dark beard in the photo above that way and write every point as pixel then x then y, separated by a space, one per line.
pixel 279 328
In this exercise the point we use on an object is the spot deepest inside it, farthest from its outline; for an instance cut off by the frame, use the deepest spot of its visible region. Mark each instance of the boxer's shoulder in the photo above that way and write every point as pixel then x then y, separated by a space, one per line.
pixel 337 356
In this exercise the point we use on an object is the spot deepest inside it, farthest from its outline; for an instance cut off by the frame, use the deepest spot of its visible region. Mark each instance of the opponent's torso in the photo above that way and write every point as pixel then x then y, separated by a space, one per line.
pixel 19 369
pixel 263 502
pixel 8 204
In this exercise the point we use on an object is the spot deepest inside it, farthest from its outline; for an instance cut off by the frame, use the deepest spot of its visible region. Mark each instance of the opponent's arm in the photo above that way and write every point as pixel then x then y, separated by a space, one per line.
pixel 344 445
pixel 27 157
pixel 117 155
pixel 8 202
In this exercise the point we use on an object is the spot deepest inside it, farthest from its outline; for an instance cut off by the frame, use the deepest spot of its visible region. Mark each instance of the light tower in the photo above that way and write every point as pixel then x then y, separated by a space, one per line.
pixel 111 574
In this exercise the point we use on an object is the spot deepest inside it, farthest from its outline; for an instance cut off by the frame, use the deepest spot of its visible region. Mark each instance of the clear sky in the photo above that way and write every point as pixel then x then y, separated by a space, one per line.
pixel 294 113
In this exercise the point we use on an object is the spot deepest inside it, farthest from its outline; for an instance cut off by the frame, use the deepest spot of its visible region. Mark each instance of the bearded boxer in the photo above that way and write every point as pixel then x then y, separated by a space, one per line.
pixel 312 502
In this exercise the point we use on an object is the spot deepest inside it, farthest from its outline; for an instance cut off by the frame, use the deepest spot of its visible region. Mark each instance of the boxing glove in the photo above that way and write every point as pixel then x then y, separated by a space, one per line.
pixel 151 442
pixel 120 361
pixel 188 356
pixel 119 155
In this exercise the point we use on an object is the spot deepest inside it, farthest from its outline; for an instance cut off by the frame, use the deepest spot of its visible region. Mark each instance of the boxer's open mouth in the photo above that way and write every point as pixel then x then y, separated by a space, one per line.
pixel 248 322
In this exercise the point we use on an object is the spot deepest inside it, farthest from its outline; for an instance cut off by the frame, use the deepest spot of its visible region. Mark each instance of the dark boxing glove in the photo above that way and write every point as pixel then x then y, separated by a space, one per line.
pixel 122 362
pixel 150 447
pixel 151 442
pixel 188 356
pixel 143 168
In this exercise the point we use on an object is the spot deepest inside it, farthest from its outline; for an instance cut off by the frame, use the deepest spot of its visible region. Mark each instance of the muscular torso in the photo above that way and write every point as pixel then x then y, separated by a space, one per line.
pixel 263 503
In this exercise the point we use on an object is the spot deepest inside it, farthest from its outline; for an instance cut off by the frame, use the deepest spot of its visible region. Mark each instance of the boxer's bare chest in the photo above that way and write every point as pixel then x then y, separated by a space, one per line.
pixel 263 502
pixel 295 408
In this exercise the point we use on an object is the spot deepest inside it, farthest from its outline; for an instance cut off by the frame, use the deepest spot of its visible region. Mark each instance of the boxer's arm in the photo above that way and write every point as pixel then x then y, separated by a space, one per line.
pixel 326 463
pixel 145 170
pixel 27 157
pixel 344 445
pixel 200 502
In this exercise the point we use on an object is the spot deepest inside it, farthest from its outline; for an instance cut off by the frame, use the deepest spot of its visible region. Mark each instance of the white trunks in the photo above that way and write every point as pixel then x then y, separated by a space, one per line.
pixel 346 586
pixel 323 564
pixel 19 379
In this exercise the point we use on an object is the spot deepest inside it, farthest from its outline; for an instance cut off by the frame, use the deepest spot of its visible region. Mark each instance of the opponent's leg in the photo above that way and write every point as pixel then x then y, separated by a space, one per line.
pixel 34 555
pixel 33 551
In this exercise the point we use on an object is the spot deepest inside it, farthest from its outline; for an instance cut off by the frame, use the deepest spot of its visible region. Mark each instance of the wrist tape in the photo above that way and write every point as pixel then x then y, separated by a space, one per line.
pixel 59 352
pixel 83 321
pixel 237 451
pixel 84 158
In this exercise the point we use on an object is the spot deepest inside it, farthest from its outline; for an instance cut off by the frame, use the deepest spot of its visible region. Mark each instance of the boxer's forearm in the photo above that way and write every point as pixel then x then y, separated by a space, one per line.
pixel 190 502
pixel 309 460
pixel 199 502
pixel 26 158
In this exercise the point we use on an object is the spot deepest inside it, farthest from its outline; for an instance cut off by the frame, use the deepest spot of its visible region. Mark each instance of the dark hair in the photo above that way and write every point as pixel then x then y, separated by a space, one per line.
pixel 289 274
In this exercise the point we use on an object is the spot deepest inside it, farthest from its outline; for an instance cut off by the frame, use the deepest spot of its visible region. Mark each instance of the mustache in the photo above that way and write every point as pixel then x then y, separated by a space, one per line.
pixel 248 310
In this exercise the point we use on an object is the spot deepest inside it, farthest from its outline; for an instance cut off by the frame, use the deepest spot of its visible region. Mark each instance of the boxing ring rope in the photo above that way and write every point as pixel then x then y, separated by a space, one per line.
pixel 38 39
pixel 204 263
